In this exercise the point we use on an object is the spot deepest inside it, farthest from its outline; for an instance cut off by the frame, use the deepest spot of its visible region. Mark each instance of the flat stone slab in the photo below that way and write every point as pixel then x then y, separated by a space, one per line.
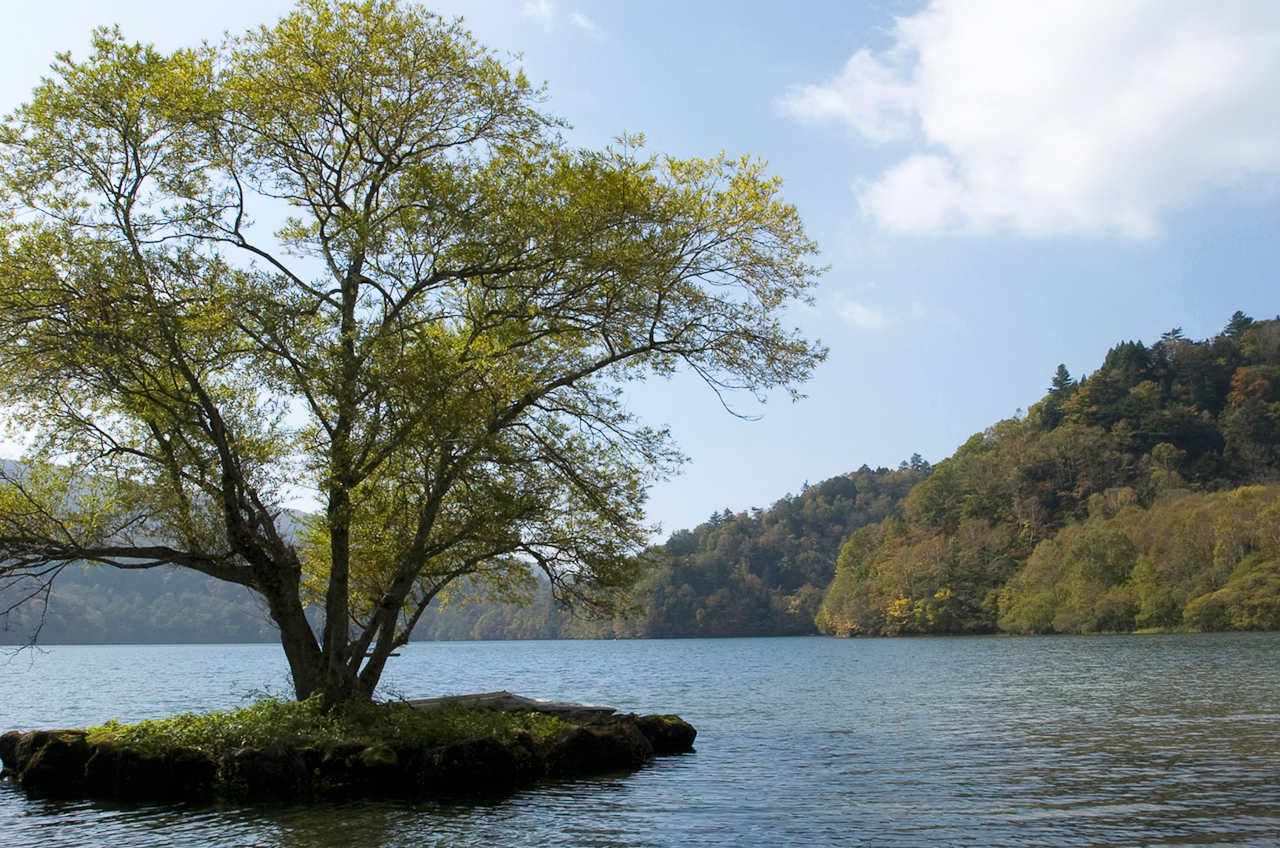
pixel 505 701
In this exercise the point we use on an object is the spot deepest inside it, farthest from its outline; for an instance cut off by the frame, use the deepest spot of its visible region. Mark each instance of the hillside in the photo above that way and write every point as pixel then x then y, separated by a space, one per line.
pixel 1145 495
pixel 99 605
pixel 1094 512
pixel 760 572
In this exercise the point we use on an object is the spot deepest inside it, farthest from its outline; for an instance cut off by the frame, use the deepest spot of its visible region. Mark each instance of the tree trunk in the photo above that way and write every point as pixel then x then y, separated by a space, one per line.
pixel 338 681
pixel 306 660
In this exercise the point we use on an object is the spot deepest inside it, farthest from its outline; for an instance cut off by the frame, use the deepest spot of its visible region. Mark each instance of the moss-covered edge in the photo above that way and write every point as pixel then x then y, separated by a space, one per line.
pixel 300 725
pixel 295 750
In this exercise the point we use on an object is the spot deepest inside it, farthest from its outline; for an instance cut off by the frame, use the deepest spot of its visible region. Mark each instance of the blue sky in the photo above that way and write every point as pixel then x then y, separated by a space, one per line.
pixel 997 186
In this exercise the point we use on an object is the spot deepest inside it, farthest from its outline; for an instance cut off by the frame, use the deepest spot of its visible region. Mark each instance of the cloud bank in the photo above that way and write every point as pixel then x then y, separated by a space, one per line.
pixel 1062 116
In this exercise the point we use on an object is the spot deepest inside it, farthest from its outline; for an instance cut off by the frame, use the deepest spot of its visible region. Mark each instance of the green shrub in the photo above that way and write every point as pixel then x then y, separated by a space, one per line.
pixel 295 725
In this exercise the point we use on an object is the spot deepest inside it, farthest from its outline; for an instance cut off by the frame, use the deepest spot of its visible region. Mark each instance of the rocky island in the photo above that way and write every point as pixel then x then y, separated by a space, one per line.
pixel 488 744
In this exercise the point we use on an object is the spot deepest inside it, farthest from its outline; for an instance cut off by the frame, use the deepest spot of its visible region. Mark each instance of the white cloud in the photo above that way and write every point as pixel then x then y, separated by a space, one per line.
pixel 863 316
pixel 1062 116
pixel 582 22
pixel 543 10
pixel 869 95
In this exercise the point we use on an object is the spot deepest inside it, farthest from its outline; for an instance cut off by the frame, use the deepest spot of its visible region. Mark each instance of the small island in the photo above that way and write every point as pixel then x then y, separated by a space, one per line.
pixel 477 745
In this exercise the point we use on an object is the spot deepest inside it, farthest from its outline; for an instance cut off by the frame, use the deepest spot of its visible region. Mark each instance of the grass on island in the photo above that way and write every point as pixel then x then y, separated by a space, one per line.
pixel 300 725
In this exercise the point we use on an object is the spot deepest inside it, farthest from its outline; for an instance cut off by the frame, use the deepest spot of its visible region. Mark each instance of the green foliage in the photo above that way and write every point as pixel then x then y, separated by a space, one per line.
pixel 297 725
pixel 891 581
pixel 1075 582
pixel 1206 561
pixel 434 342
pixel 1031 525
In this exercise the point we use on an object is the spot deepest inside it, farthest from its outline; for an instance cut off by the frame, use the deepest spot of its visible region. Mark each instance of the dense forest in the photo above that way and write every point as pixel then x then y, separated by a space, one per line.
pixel 1146 495
pixel 761 572
pixel 1139 497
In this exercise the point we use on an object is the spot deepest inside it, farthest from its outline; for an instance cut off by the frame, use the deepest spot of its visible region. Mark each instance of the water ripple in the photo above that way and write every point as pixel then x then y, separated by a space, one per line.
pixel 1158 741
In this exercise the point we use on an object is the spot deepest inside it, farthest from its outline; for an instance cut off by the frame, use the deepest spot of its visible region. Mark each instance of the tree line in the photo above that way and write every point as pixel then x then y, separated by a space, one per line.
pixel 759 572
pixel 1136 497
pixel 1141 496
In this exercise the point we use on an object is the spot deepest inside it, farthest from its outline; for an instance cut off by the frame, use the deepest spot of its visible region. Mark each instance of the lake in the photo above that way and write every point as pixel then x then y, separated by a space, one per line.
pixel 1063 741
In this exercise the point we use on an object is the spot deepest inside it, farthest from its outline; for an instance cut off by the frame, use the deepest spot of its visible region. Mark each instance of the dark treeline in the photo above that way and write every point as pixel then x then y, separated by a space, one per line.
pixel 1142 496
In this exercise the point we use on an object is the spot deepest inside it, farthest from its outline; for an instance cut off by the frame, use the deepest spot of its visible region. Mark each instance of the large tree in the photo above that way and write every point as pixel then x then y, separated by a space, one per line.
pixel 431 340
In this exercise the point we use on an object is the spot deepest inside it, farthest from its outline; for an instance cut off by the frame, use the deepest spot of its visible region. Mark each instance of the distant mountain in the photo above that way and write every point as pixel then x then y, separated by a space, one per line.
pixel 102 605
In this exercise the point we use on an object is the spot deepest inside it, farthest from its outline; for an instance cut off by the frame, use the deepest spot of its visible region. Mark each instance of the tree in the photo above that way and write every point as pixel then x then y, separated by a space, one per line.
pixel 1062 381
pixel 1237 325
pixel 432 343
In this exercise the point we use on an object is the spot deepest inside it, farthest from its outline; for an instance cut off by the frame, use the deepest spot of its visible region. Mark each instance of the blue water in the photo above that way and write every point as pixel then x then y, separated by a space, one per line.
pixel 1138 740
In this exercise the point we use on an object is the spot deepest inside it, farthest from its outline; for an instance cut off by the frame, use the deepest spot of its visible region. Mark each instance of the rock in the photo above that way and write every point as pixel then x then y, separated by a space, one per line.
pixel 9 751
pixel 482 765
pixel 52 762
pixel 192 774
pixel 598 749
pixel 336 773
pixel 265 774
pixel 119 771
pixel 668 734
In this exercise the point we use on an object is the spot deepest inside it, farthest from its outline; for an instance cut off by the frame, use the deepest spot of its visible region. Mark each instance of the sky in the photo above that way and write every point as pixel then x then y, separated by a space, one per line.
pixel 997 187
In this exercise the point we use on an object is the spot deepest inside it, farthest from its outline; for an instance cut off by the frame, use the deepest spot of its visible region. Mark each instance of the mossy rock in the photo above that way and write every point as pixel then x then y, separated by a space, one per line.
pixel 598 749
pixel 483 765
pixel 9 751
pixel 122 771
pixel 194 758
pixel 52 762
pixel 264 774
pixel 668 734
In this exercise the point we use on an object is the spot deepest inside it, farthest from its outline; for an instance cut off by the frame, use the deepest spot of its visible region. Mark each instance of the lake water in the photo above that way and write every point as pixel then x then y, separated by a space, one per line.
pixel 1062 741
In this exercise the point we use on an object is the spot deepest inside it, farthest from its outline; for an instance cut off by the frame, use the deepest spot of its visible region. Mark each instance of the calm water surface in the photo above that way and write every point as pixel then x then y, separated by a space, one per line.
pixel 1141 740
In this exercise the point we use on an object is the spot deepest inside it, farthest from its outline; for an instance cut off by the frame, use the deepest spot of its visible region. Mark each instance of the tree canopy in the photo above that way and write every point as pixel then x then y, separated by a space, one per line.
pixel 1142 496
pixel 432 341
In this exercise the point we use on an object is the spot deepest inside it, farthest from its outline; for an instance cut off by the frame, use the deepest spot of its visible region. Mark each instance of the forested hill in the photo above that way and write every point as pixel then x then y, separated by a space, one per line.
pixel 760 572
pixel 757 572
pixel 1143 496
pixel 99 605
pixel 763 572
pixel 1146 495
